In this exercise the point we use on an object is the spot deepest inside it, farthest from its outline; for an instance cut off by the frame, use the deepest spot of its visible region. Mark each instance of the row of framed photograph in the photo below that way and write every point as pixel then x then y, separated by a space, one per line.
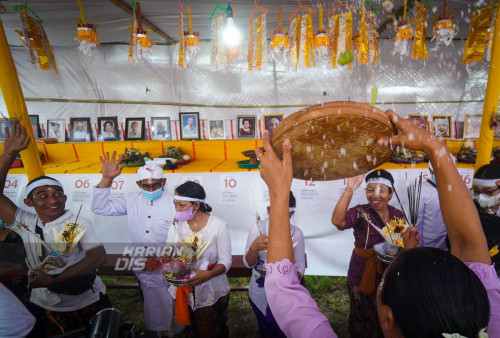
pixel 159 128
pixel 443 126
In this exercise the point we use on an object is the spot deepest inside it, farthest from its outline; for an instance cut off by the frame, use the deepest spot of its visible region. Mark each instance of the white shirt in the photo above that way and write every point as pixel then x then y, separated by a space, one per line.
pixel 148 222
pixel 15 319
pixel 256 293
pixel 430 222
pixel 81 135
pixel 219 250
pixel 42 296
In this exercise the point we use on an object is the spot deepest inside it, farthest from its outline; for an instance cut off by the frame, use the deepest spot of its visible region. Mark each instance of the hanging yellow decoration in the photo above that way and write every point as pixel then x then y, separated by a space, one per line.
pixel 367 38
pixel 140 43
pixel 218 55
pixel 475 45
pixel 87 34
pixel 36 42
pixel 191 41
pixel 301 42
pixel 257 51
pixel 182 55
pixel 321 42
pixel 340 30
pixel 403 36
pixel 420 32
pixel 280 43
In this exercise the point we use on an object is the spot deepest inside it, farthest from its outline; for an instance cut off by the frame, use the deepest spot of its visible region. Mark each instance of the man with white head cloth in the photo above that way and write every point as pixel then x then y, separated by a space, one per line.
pixel 67 297
pixel 150 213
pixel 430 222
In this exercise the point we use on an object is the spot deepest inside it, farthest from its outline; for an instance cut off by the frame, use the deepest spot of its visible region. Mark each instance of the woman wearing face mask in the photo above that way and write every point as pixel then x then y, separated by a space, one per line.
pixel 208 294
pixel 486 195
pixel 365 270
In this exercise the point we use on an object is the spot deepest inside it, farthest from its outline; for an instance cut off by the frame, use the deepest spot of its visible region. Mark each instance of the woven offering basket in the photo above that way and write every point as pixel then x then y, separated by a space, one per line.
pixel 335 140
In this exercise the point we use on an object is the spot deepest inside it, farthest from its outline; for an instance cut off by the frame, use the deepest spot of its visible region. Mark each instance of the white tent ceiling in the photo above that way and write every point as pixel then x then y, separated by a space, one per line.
pixel 439 85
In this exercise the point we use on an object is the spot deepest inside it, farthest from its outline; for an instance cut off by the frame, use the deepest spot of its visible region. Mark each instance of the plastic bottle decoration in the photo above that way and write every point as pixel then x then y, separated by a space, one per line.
pixel 420 31
pixel 257 42
pixel 35 40
pixel 403 36
pixel 479 31
pixel 280 43
pixel 140 43
pixel 340 30
pixel 368 41
pixel 444 29
pixel 321 43
pixel 87 34
pixel 191 41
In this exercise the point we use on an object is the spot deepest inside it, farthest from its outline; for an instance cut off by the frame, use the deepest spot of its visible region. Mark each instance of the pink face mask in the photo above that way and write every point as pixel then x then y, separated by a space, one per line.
pixel 186 215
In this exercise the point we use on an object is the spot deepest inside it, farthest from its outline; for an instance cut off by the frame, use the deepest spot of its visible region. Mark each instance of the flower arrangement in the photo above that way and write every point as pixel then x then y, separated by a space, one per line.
pixel 177 262
pixel 67 239
pixel 393 231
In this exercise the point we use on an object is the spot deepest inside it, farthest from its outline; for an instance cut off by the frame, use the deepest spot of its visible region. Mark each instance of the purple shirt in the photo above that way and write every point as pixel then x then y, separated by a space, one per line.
pixel 360 226
pixel 489 278
pixel 296 313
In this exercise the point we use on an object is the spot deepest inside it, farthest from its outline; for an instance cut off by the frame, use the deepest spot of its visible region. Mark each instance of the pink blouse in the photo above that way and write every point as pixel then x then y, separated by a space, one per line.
pixel 489 278
pixel 296 313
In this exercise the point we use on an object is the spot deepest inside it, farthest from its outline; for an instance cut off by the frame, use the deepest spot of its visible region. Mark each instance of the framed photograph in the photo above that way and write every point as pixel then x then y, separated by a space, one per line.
pixel 134 128
pixel 56 129
pixel 190 126
pixel 246 126
pixel 419 120
pixel 272 121
pixel 108 128
pixel 80 129
pixel 4 124
pixel 160 128
pixel 472 125
pixel 441 125
pixel 217 129
pixel 35 125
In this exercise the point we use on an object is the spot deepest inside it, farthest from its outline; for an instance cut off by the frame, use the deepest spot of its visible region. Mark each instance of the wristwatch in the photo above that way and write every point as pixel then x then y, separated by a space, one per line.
pixel 54 279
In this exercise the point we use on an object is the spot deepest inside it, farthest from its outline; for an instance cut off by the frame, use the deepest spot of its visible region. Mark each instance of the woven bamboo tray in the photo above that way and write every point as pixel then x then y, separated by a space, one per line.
pixel 334 140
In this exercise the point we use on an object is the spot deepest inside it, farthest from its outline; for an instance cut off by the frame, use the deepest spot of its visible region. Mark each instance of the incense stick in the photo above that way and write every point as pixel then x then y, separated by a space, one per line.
pixel 401 205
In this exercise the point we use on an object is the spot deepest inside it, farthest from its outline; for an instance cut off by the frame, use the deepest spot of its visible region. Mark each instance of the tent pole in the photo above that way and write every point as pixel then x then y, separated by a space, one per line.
pixel 485 144
pixel 16 107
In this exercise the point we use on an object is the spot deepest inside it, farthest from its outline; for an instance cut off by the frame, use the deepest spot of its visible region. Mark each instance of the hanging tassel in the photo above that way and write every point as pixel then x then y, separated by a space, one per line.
pixel 218 56
pixel 373 51
pixel 191 41
pixel 333 29
pixel 302 47
pixel 420 32
pixel 321 42
pixel 475 45
pixel 182 55
pixel 140 43
pixel 257 53
pixel 490 33
pixel 362 41
pixel 341 26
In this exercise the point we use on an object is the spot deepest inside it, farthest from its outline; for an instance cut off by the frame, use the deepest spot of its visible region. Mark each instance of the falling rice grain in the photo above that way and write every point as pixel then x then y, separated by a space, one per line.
pixel 355 165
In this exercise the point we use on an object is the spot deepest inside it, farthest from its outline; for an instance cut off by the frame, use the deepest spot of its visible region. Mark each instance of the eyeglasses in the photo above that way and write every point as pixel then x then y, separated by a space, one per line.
pixel 152 187
pixel 371 191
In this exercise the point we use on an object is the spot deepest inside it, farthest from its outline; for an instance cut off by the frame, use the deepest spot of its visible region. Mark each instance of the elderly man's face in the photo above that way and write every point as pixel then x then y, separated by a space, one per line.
pixel 56 127
pixel 190 121
pixel 273 123
pixel 134 126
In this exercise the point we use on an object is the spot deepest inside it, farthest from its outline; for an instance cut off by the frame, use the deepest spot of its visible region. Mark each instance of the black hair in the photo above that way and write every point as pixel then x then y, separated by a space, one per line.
pixel 488 172
pixel 30 195
pixel 431 292
pixel 194 190
pixel 381 173
pixel 108 122
pixel 292 202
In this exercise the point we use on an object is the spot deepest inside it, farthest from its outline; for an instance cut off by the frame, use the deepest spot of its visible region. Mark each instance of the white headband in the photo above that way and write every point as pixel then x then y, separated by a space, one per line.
pixel 44 181
pixel 485 183
pixel 189 199
pixel 380 180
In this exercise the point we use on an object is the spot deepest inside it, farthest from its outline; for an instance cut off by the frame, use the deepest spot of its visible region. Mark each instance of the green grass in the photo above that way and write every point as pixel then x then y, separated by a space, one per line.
pixel 330 293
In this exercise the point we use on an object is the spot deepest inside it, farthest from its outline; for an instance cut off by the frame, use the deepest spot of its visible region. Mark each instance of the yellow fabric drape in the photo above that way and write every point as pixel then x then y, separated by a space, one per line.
pixel 334 37
pixel 477 39
pixel 419 43
pixel 182 55
pixel 362 39
pixel 16 107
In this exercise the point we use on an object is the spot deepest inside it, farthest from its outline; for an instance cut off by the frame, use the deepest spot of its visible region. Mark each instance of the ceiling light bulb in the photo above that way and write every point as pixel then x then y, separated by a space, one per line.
pixel 232 36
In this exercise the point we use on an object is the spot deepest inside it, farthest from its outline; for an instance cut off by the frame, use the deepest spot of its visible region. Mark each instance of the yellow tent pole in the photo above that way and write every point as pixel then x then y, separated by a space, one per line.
pixel 16 107
pixel 490 100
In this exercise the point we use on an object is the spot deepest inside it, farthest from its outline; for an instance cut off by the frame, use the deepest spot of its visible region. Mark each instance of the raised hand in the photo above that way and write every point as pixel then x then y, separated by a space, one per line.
pixel 259 244
pixel 355 182
pixel 111 167
pixel 276 173
pixel 411 238
pixel 16 140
